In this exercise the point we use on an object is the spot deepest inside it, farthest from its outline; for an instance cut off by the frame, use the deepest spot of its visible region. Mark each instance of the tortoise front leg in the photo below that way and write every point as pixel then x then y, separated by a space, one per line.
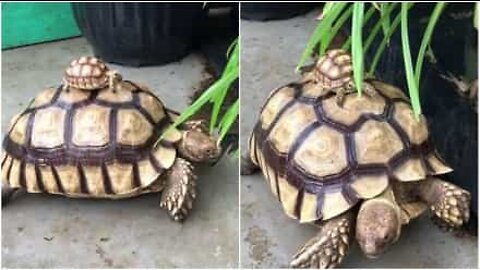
pixel 448 202
pixel 341 92
pixel 329 246
pixel 179 193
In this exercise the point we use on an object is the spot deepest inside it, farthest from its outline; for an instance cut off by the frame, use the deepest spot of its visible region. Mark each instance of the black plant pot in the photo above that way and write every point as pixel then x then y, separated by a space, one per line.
pixel 274 11
pixel 452 119
pixel 139 33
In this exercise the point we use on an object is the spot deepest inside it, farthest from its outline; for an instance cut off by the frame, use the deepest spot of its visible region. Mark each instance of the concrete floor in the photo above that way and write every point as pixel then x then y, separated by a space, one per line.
pixel 42 231
pixel 270 51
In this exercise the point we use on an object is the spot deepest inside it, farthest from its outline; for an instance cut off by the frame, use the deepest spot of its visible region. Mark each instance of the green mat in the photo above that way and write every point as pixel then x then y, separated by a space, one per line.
pixel 30 23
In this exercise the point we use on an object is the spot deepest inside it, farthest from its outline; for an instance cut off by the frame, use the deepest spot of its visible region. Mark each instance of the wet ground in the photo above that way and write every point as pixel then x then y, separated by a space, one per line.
pixel 44 231
pixel 270 52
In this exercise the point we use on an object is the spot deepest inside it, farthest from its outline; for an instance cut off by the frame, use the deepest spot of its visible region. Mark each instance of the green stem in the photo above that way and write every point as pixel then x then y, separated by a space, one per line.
pixel 357 51
pixel 368 15
pixel 407 57
pixel 427 36
pixel 376 29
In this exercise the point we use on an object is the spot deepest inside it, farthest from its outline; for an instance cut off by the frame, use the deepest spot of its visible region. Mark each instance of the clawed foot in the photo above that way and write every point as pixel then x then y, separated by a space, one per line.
pixel 178 196
pixel 342 92
pixel 327 249
pixel 452 207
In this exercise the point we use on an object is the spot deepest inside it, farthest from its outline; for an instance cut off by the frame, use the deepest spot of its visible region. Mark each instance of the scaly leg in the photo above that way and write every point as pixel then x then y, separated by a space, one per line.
pixel 448 202
pixel 329 246
pixel 179 193
pixel 247 165
pixel 349 88
pixel 8 193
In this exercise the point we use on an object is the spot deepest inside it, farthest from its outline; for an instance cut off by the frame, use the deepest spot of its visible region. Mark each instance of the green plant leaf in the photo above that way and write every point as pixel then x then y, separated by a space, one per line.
pixel 376 28
pixel 216 93
pixel 326 8
pixel 325 42
pixel 228 119
pixel 385 17
pixel 357 50
pixel 231 71
pixel 475 16
pixel 383 44
pixel 407 57
pixel 427 36
pixel 320 31
pixel 368 15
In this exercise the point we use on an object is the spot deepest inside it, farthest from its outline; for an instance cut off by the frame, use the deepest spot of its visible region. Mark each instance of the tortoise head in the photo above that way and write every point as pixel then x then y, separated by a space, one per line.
pixel 89 73
pixel 334 69
pixel 197 144
pixel 378 227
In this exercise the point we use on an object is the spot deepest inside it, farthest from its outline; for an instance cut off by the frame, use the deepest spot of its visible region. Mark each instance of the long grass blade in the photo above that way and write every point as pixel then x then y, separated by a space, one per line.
pixel 325 42
pixel 215 93
pixel 357 50
pixel 320 31
pixel 326 8
pixel 368 15
pixel 385 17
pixel 427 36
pixel 407 57
pixel 231 70
pixel 228 119
pixel 216 88
pixel 475 16
pixel 380 23
pixel 383 44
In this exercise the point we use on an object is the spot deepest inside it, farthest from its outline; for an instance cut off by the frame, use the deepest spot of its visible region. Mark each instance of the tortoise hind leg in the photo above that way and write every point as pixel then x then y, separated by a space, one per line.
pixel 329 246
pixel 8 193
pixel 248 165
pixel 448 202
pixel 177 197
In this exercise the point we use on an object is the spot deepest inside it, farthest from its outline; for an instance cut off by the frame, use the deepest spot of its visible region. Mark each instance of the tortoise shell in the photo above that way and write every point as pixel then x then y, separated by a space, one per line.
pixel 334 69
pixel 320 159
pixel 86 73
pixel 89 143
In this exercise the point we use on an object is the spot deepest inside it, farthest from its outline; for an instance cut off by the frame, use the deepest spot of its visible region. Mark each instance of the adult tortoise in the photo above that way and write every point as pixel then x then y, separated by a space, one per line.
pixel 356 166
pixel 96 136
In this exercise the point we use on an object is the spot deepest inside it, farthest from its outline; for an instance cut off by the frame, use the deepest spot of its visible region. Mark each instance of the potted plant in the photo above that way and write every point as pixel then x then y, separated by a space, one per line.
pixel 139 33
pixel 429 50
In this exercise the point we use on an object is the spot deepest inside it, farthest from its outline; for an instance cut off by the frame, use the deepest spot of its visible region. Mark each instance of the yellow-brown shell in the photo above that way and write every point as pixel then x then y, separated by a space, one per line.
pixel 334 69
pixel 86 73
pixel 320 159
pixel 89 143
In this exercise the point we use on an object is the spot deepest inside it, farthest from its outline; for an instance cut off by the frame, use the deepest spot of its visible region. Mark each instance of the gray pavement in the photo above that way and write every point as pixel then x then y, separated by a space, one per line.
pixel 44 231
pixel 270 52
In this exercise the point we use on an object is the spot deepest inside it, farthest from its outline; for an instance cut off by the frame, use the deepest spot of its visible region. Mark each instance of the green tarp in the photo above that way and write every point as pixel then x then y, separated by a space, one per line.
pixel 30 23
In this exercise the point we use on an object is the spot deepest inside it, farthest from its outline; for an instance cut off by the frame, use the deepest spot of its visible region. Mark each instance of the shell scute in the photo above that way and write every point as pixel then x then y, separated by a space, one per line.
pixel 95 143
pixel 320 159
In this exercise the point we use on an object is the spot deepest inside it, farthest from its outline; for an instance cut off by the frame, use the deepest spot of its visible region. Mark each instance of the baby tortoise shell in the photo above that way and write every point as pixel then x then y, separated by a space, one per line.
pixel 96 143
pixel 320 159
pixel 334 69
pixel 87 73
